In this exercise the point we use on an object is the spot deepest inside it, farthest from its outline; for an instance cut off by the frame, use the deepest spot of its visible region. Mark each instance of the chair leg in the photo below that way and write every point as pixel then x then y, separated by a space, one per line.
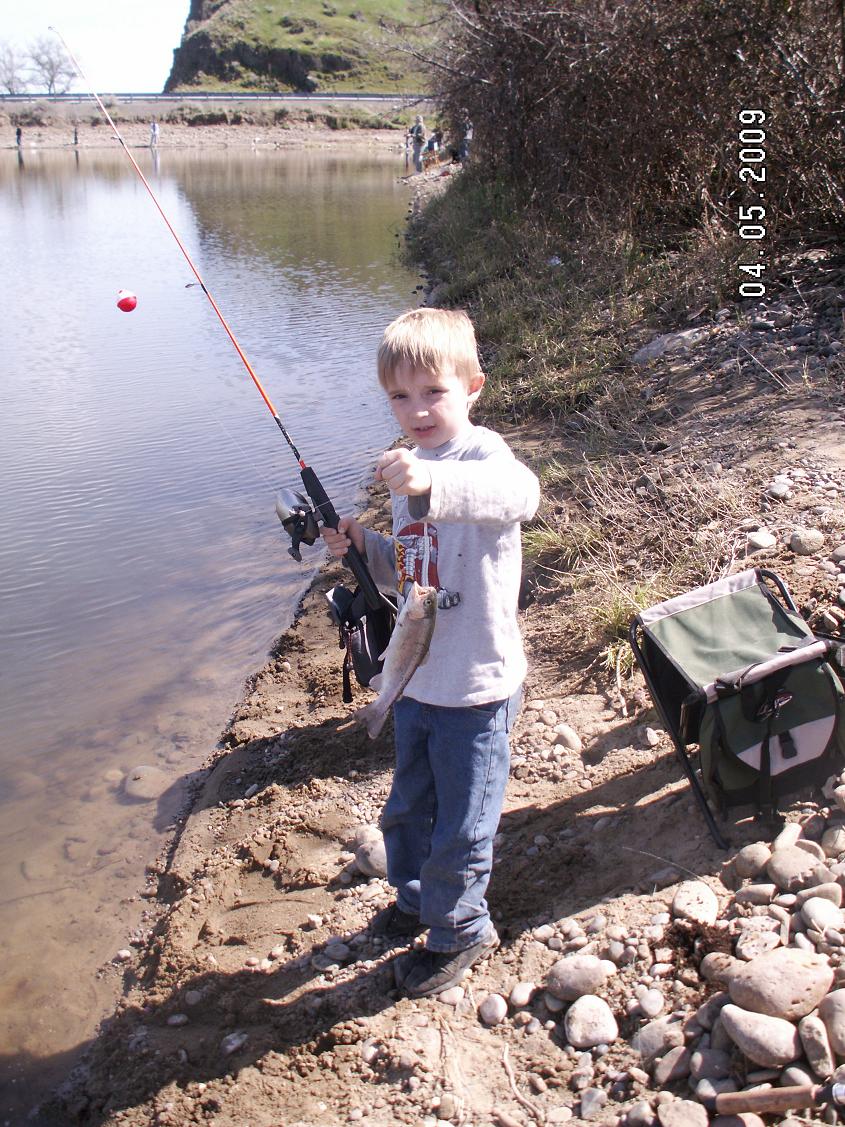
pixel 689 771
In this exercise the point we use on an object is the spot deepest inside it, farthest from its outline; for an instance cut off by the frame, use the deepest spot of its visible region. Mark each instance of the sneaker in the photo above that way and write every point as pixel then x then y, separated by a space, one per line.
pixel 420 973
pixel 394 926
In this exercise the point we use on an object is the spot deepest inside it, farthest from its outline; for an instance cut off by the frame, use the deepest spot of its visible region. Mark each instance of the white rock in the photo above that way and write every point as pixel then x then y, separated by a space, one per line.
pixel 760 540
pixel 568 737
pixel 682 1113
pixel 785 983
pixel 752 859
pixel 816 1042
pixel 769 1041
pixel 493 1009
pixel 521 994
pixel 453 996
pixel 695 901
pixel 589 1021
pixel 819 912
pixel 576 975
pixel 124 955
pixel 832 1013
pixel 833 841
pixel 792 869
pixel 652 1003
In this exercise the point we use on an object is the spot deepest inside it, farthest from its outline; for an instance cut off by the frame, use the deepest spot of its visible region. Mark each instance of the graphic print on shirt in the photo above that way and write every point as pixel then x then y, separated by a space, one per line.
pixel 416 561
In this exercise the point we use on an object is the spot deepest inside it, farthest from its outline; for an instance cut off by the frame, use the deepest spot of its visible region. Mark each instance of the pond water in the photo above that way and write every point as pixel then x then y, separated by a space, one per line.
pixel 143 572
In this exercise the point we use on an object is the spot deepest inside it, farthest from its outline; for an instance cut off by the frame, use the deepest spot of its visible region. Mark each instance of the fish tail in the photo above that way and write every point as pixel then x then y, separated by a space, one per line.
pixel 373 717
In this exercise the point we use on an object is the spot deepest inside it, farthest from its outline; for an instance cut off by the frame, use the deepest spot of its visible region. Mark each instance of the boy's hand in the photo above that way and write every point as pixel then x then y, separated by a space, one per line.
pixel 403 473
pixel 349 533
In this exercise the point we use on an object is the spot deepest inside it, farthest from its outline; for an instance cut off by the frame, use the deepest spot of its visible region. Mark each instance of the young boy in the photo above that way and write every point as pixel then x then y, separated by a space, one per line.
pixel 457 501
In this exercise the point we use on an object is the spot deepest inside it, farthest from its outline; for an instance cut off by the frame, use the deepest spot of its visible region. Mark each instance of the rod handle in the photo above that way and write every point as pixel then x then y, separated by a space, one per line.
pixel 353 558
pixel 770 1099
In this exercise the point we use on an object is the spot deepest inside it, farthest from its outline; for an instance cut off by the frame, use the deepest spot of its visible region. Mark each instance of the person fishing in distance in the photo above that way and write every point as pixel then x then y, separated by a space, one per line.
pixel 457 502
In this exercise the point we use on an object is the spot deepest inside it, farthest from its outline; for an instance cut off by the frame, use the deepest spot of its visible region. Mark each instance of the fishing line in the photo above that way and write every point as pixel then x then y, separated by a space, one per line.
pixel 311 482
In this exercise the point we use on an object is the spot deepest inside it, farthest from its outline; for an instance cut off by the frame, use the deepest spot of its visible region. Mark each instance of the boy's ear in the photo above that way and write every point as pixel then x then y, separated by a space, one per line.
pixel 475 386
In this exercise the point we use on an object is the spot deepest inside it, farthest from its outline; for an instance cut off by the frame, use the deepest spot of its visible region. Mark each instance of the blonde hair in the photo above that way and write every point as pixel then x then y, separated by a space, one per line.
pixel 430 339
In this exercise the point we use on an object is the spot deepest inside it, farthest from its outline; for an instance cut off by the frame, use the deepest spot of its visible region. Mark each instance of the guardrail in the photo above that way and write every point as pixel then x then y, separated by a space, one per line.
pixel 208 96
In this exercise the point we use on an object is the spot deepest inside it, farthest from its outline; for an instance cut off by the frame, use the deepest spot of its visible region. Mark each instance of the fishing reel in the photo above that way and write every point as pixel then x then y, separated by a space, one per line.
pixel 298 519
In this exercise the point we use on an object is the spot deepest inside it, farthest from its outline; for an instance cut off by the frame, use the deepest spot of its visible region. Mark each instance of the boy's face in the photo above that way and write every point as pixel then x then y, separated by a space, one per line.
pixel 431 408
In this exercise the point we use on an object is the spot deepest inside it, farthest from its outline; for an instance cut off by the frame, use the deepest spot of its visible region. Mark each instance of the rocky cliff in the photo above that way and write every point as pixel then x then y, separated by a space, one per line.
pixel 274 45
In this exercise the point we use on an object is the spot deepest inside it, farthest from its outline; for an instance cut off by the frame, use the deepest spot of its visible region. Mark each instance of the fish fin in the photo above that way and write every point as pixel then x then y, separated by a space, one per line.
pixel 375 682
pixel 372 717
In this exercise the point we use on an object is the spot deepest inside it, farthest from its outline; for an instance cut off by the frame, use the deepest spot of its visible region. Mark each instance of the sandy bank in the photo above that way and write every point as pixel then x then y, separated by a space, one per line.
pixel 300 134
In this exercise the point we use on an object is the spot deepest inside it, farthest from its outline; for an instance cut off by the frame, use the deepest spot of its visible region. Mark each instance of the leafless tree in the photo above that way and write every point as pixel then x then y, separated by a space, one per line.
pixel 12 69
pixel 50 65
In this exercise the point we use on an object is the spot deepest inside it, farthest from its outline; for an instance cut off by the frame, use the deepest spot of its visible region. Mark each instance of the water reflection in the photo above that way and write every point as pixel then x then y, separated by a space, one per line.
pixel 142 569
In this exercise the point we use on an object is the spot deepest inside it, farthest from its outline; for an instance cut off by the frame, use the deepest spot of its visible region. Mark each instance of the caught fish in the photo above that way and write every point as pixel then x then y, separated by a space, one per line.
pixel 407 649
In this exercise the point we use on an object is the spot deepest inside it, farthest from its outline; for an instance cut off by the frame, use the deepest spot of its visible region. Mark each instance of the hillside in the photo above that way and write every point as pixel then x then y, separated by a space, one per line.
pixel 313 45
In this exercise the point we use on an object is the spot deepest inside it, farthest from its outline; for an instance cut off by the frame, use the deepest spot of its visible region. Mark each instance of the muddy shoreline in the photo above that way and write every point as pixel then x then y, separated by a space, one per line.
pixel 94 133
pixel 259 995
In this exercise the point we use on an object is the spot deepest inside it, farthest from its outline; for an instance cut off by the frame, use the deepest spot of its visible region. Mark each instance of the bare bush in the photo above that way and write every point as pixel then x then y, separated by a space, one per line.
pixel 12 69
pixel 627 110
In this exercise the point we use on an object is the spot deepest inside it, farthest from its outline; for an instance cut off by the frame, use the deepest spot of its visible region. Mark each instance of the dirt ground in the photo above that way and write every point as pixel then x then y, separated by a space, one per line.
pixel 259 997
pixel 296 134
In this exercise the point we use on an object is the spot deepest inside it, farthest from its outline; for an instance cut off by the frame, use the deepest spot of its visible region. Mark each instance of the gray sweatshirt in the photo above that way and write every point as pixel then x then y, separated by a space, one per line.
pixel 463 538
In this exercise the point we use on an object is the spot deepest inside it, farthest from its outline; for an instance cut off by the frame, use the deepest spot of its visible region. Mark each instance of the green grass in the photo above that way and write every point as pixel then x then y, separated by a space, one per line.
pixel 351 37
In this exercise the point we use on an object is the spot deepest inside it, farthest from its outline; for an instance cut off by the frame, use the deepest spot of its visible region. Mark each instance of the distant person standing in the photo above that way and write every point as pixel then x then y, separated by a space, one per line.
pixel 417 135
pixel 18 136
pixel 154 131
pixel 75 136
pixel 466 142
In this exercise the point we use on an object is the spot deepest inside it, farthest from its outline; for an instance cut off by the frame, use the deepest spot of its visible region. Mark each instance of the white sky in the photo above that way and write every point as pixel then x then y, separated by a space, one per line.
pixel 122 47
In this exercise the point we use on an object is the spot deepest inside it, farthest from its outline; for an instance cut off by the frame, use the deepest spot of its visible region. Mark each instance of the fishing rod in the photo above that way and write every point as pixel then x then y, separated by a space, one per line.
pixel 292 508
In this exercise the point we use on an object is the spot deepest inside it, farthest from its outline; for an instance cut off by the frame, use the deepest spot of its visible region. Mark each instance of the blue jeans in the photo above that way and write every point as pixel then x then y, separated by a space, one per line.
pixel 443 811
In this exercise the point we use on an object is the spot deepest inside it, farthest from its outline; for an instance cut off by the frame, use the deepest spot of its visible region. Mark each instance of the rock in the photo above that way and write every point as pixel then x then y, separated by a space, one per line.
pixel 760 540
pixel 493 1009
pixel 744 1119
pixel 656 1038
pixel 337 951
pixel 696 901
pixel 521 994
pixel 752 860
pixel 806 541
pixel 371 859
pixel 785 983
pixel 718 966
pixel 713 1064
pixel 640 1115
pixel 145 783
pixel 817 1050
pixel 769 1041
pixel 819 912
pixel 568 737
pixel 589 1021
pixel 652 1002
pixel 682 1113
pixel 754 942
pixel 831 892
pixel 832 1013
pixel 669 342
pixel 576 975
pixel 833 841
pixel 232 1042
pixel 779 490
pixel 452 996
pixel 792 869
pixel 675 1065
pixel 592 1102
